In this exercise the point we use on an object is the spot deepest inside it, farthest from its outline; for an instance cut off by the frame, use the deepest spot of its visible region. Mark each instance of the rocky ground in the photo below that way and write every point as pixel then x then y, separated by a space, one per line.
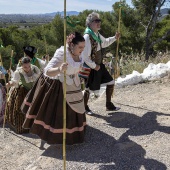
pixel 134 138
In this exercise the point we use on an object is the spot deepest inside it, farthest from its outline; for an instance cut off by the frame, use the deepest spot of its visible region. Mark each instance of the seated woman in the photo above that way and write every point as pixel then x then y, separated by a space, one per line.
pixel 21 82
pixel 44 104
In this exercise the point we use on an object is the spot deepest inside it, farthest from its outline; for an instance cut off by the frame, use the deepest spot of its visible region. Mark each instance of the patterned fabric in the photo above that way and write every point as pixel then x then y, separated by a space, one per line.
pixel 15 118
pixel 85 69
pixel 2 102
pixel 87 50
pixel 94 45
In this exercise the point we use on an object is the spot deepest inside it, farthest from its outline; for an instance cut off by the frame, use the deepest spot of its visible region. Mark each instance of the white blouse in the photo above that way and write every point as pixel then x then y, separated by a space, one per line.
pixel 72 68
pixel 16 76
pixel 86 54
pixel 42 63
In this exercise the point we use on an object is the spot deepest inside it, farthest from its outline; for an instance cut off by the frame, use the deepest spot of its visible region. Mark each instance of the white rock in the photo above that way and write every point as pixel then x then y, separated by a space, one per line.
pixel 130 79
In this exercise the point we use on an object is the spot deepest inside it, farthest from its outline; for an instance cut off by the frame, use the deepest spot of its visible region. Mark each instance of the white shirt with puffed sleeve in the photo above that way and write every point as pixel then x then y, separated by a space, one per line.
pixel 72 68
pixel 16 75
pixel 86 54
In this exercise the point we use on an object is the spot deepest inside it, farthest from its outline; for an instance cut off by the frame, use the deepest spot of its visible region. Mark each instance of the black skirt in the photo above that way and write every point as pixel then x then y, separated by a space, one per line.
pixel 96 78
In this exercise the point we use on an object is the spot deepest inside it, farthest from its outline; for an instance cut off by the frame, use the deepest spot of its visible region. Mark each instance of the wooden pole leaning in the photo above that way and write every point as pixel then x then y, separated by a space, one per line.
pixel 7 90
pixel 45 42
pixel 116 63
pixel 46 49
pixel 64 91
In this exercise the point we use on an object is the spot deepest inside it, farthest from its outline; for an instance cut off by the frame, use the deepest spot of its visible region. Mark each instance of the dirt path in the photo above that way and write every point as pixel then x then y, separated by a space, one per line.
pixel 134 138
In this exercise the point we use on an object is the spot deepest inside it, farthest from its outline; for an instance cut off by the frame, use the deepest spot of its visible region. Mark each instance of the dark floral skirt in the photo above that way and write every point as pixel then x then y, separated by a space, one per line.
pixel 2 102
pixel 15 118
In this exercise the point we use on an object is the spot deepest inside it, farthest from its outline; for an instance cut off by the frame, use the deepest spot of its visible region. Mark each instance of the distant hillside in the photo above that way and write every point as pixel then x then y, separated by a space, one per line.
pixel 32 18
pixel 44 18
pixel 24 18
pixel 165 11
pixel 62 13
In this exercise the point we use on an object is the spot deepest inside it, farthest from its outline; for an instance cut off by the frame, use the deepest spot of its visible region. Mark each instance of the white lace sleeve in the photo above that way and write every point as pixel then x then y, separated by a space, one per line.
pixel 42 63
pixel 56 61
pixel 16 78
pixel 36 69
pixel 36 73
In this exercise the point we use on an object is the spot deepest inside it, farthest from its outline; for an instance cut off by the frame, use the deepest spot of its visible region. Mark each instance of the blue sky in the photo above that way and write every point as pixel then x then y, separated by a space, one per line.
pixel 48 6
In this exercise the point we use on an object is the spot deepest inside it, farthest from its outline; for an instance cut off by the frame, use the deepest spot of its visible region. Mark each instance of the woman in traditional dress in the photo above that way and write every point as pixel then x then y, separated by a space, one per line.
pixel 44 104
pixel 21 82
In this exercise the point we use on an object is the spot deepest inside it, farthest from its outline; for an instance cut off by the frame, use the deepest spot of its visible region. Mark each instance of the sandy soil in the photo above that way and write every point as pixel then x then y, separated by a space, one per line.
pixel 134 138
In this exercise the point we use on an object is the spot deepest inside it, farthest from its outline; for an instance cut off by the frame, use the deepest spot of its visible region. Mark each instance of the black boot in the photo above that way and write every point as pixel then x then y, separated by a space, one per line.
pixel 86 98
pixel 109 105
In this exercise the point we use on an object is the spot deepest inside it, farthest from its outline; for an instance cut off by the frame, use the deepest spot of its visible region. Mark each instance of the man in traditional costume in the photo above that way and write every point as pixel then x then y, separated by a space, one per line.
pixel 92 56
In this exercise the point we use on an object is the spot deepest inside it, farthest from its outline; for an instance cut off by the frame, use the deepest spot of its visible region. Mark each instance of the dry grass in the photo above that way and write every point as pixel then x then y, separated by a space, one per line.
pixel 137 62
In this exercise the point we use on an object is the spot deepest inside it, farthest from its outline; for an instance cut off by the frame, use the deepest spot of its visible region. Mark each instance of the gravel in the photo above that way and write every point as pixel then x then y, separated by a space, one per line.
pixel 133 138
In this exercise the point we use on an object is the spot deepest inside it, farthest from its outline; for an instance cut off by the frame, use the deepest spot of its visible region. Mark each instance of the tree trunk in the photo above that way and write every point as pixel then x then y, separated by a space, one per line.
pixel 147 44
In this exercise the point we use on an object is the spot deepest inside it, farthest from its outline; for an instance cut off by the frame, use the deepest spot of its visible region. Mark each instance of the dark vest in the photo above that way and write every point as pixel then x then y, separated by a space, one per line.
pixel 96 56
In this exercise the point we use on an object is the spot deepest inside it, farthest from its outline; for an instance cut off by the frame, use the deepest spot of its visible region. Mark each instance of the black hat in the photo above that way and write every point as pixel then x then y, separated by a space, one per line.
pixel 30 51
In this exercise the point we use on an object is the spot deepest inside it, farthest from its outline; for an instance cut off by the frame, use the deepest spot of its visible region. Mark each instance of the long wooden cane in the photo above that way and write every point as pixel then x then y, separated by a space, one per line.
pixel 64 91
pixel 46 49
pixel 7 90
pixel 45 41
pixel 116 66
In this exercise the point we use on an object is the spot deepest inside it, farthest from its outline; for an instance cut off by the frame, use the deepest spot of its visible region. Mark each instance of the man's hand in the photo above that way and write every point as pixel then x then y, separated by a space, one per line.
pixel 97 67
pixel 117 35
